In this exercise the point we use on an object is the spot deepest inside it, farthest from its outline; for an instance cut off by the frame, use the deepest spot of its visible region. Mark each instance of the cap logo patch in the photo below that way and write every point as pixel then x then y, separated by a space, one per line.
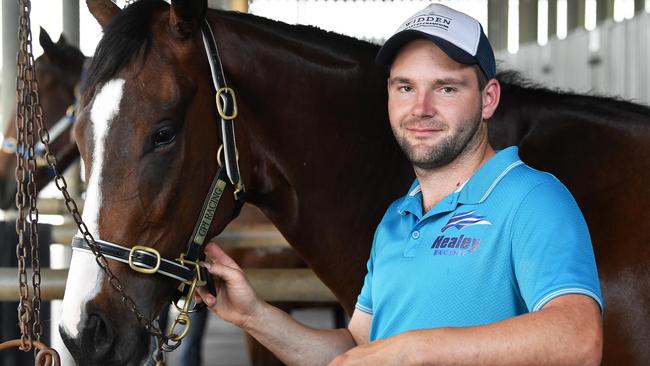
pixel 432 20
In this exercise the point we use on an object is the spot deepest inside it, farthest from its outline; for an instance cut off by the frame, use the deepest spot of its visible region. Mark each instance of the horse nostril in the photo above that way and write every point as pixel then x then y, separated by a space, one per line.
pixel 100 333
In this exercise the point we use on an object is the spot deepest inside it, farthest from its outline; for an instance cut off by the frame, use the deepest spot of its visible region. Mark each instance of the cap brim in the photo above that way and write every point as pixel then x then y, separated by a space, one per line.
pixel 388 51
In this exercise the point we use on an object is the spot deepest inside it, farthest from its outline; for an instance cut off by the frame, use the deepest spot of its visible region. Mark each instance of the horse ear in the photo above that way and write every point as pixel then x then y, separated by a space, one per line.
pixel 46 42
pixel 186 16
pixel 62 41
pixel 103 11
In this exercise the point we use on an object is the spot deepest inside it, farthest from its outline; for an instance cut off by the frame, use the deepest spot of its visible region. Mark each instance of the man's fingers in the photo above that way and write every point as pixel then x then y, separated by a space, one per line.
pixel 225 273
pixel 216 254
pixel 203 295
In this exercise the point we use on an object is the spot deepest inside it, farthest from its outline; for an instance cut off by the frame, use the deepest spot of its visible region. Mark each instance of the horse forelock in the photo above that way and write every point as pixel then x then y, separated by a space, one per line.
pixel 127 36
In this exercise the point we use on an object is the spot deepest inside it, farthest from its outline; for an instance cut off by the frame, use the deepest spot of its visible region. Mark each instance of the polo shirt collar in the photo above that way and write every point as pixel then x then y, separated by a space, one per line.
pixel 474 191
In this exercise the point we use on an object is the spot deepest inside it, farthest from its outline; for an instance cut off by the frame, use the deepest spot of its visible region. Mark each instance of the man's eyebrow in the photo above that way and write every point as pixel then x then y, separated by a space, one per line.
pixel 441 81
pixel 400 80
pixel 451 81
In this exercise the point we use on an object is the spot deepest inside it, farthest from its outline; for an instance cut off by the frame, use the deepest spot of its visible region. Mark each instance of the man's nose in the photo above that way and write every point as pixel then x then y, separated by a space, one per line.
pixel 424 105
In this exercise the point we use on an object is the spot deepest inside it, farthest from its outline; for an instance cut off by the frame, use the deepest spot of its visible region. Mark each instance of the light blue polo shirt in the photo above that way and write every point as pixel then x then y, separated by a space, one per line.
pixel 506 243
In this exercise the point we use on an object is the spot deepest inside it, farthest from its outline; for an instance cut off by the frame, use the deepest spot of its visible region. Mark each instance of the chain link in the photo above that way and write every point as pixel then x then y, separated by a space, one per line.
pixel 29 123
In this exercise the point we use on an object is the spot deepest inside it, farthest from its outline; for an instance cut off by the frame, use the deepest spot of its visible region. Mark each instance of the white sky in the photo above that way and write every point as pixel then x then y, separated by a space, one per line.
pixel 371 20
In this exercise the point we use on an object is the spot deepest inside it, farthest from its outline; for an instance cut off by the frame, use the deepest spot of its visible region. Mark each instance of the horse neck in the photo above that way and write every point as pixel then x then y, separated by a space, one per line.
pixel 526 110
pixel 573 136
pixel 312 120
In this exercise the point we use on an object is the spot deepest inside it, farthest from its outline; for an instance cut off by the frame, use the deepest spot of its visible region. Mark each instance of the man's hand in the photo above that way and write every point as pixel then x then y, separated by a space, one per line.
pixel 236 301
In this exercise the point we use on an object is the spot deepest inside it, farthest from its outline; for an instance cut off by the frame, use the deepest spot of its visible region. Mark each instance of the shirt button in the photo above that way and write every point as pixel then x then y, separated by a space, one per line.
pixel 415 235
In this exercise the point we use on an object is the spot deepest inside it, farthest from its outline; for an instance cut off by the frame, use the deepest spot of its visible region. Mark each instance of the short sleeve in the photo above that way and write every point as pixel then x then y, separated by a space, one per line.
pixel 364 301
pixel 551 248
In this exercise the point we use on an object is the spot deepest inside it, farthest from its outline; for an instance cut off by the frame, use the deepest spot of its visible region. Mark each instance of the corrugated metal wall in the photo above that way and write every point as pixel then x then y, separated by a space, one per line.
pixel 612 60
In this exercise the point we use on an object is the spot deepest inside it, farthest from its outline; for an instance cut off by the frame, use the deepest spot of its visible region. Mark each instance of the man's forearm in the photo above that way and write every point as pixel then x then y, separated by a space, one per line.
pixel 295 343
pixel 568 331
pixel 558 335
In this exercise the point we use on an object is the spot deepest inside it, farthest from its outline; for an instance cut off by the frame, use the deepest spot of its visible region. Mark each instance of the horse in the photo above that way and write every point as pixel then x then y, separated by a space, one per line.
pixel 58 72
pixel 317 157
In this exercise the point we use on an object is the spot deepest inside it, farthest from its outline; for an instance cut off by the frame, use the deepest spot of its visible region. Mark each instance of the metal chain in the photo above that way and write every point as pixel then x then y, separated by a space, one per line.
pixel 23 111
pixel 29 109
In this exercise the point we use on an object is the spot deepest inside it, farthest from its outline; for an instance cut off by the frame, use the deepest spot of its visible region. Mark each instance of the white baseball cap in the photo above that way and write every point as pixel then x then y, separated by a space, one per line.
pixel 460 36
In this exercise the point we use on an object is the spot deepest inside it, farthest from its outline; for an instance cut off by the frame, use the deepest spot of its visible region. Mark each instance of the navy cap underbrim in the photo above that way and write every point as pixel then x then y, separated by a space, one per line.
pixel 388 51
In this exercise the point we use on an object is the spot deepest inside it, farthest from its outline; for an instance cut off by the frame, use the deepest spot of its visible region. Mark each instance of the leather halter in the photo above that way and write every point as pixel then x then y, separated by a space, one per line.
pixel 185 268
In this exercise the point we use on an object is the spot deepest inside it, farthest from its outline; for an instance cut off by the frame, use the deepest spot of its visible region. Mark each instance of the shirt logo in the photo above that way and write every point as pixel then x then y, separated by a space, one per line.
pixel 464 219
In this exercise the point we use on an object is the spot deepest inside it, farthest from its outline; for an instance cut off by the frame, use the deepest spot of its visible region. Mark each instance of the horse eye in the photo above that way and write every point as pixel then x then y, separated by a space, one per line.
pixel 164 136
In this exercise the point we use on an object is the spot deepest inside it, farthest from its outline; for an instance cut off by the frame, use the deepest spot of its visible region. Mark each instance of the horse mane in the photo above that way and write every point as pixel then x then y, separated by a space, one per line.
pixel 596 105
pixel 325 40
pixel 126 35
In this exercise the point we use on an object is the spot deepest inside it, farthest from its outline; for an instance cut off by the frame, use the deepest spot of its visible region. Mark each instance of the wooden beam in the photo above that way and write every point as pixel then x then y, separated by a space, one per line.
pixel 300 285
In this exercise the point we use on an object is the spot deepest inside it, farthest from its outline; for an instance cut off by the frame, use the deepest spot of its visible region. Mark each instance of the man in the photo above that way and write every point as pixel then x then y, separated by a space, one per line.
pixel 485 261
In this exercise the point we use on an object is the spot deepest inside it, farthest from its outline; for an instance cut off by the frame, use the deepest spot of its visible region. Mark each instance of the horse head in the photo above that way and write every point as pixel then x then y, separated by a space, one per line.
pixel 58 72
pixel 147 132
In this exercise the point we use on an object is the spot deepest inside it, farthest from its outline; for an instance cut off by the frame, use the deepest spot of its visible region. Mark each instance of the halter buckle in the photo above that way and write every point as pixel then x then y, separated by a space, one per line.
pixel 220 108
pixel 139 268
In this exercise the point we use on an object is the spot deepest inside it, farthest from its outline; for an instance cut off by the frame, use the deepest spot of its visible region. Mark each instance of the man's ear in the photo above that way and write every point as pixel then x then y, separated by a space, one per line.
pixel 491 95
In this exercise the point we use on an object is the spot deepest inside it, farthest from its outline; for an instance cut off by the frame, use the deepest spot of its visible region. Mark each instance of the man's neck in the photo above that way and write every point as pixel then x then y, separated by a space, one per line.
pixel 439 182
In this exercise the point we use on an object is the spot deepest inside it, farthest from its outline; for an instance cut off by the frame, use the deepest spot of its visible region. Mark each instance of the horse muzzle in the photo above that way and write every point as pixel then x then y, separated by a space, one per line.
pixel 97 342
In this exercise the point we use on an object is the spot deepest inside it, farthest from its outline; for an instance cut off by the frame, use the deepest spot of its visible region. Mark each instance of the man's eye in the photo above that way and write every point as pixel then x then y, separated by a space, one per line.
pixel 405 89
pixel 448 89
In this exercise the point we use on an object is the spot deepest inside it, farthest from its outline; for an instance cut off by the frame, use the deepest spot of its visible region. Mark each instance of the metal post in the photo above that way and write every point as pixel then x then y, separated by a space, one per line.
pixel 527 21
pixel 604 10
pixel 71 21
pixel 498 24
pixel 9 51
pixel 639 6
pixel 552 19
pixel 575 15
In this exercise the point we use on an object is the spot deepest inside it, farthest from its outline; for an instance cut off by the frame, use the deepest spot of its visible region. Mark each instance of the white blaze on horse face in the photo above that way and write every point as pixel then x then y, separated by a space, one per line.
pixel 85 276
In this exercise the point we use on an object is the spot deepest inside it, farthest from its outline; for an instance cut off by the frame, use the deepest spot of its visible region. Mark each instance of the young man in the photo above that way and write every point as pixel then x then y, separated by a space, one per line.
pixel 485 261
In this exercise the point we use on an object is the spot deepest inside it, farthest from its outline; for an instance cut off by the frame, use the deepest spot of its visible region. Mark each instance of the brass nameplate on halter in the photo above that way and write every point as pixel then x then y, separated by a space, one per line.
pixel 210 210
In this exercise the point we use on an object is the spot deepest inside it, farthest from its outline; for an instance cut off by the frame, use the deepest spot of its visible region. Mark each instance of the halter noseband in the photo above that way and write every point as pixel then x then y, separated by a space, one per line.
pixel 186 268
